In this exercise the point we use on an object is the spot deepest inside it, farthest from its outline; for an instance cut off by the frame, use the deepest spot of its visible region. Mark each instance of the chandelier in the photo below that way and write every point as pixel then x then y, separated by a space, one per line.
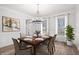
pixel 37 17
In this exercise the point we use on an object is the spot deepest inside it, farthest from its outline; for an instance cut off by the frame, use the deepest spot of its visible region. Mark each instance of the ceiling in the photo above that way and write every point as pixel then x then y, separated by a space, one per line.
pixel 44 9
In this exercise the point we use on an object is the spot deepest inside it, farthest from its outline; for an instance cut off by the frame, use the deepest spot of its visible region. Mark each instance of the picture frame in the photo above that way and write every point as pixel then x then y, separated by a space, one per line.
pixel 10 24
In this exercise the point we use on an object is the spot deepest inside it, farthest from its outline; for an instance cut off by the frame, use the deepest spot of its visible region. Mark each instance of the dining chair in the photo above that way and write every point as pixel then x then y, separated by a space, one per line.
pixel 23 44
pixel 19 50
pixel 51 44
pixel 53 41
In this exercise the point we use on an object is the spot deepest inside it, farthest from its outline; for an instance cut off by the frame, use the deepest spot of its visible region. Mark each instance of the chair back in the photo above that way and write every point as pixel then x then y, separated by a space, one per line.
pixel 51 45
pixel 53 38
pixel 16 44
pixel 50 40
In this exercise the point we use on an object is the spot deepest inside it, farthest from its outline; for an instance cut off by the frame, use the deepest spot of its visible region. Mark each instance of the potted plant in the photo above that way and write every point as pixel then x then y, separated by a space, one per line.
pixel 69 35
pixel 37 33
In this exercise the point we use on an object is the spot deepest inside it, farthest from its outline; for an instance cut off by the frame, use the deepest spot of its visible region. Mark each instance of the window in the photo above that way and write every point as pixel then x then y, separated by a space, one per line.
pixel 44 24
pixel 28 27
pixel 61 22
pixel 32 26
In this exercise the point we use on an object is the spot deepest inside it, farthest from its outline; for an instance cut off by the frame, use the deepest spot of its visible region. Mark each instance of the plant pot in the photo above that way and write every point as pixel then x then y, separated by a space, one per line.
pixel 69 43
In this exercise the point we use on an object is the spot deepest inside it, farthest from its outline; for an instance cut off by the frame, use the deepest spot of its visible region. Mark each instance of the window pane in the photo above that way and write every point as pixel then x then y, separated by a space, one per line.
pixel 61 25
pixel 45 26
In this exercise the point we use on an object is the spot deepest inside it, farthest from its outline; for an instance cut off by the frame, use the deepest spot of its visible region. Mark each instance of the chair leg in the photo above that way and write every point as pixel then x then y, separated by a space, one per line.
pixel 15 53
pixel 31 51
pixel 54 46
pixel 49 51
pixel 52 50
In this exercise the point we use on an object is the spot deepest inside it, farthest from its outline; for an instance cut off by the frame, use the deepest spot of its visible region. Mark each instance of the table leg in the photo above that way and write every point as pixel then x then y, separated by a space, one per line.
pixel 34 50
pixel 20 43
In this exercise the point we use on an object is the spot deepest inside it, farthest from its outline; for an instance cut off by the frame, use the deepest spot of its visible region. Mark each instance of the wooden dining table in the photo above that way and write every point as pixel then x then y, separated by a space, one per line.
pixel 34 42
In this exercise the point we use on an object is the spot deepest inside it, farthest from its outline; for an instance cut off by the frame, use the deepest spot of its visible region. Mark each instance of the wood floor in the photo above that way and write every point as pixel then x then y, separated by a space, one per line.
pixel 61 49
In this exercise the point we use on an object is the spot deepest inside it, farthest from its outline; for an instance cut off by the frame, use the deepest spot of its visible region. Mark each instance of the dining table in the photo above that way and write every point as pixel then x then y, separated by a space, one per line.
pixel 34 41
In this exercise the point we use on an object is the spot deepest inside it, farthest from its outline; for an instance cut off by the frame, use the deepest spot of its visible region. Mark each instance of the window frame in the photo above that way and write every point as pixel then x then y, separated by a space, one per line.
pixel 66 22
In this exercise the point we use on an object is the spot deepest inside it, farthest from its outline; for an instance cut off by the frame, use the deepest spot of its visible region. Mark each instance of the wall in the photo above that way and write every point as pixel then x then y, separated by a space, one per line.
pixel 6 37
pixel 51 26
pixel 76 42
pixel 71 21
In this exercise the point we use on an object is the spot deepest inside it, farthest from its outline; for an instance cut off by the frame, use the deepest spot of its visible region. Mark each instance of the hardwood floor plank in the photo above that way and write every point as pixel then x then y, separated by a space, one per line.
pixel 61 49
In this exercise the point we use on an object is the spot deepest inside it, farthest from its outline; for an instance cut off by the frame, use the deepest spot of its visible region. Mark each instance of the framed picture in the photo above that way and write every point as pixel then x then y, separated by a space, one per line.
pixel 10 24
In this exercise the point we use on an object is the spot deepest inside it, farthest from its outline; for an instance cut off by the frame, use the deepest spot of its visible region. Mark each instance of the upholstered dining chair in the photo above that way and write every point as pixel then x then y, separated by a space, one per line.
pixel 19 51
pixel 23 44
pixel 53 41
pixel 48 46
pixel 51 44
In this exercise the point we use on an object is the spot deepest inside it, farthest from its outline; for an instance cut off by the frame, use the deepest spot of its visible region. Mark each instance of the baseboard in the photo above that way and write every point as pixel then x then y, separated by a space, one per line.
pixel 77 48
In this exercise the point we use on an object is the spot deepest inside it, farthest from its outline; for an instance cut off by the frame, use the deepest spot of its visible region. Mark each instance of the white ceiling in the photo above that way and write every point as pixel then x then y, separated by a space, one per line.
pixel 44 9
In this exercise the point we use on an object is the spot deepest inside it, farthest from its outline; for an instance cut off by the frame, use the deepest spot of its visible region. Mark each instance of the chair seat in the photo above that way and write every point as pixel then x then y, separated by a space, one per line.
pixel 25 47
pixel 28 46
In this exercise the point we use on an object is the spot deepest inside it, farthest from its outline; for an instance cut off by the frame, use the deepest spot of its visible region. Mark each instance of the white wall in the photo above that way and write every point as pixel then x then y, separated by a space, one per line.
pixel 71 16
pixel 76 42
pixel 71 20
pixel 6 37
pixel 51 26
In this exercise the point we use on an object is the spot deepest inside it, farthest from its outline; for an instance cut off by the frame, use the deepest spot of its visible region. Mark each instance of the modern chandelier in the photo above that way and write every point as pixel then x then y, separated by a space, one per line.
pixel 37 17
